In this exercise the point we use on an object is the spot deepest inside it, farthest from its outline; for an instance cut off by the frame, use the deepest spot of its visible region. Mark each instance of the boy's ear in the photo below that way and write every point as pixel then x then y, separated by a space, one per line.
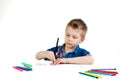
pixel 82 39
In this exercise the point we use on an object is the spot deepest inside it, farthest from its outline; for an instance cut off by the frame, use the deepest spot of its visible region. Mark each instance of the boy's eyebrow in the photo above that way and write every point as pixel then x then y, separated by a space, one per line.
pixel 69 34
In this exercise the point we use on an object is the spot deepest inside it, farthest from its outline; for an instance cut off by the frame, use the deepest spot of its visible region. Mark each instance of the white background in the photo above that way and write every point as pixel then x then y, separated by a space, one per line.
pixel 28 26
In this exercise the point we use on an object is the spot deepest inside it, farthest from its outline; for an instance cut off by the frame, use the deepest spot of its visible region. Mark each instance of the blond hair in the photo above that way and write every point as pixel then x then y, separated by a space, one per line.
pixel 78 24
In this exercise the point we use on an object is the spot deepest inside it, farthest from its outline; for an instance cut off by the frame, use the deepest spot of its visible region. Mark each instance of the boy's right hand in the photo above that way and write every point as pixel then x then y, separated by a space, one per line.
pixel 50 56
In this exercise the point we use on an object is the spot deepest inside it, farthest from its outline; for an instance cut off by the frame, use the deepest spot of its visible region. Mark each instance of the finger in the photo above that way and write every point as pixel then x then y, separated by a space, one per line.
pixel 61 63
pixel 52 57
pixel 56 62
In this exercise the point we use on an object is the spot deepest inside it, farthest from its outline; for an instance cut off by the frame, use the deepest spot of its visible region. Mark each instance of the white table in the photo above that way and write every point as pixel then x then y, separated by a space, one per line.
pixel 42 70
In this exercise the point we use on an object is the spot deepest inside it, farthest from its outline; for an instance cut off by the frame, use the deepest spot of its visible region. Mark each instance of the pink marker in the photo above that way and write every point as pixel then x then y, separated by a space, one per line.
pixel 17 68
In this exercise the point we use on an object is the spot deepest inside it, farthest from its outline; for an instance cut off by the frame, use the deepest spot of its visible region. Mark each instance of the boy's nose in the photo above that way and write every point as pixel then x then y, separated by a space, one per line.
pixel 70 38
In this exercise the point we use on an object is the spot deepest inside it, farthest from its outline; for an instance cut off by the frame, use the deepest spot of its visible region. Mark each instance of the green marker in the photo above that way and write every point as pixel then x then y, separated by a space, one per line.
pixel 27 65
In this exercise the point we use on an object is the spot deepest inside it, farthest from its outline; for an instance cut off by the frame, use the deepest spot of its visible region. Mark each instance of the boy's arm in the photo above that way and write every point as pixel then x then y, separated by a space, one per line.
pixel 45 54
pixel 87 60
pixel 81 60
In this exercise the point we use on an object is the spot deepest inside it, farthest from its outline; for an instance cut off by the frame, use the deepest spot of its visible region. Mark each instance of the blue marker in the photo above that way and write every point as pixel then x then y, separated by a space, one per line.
pixel 105 69
pixel 102 73
pixel 57 42
pixel 23 68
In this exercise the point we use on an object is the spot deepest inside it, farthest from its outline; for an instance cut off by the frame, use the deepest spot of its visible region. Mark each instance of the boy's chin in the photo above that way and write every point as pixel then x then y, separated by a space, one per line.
pixel 70 46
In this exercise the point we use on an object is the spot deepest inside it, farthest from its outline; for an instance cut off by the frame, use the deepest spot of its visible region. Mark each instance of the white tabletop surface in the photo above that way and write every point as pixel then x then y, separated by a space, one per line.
pixel 42 70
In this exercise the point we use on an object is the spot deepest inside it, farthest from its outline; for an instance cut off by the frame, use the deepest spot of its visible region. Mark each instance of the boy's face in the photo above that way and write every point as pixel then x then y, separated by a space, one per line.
pixel 72 37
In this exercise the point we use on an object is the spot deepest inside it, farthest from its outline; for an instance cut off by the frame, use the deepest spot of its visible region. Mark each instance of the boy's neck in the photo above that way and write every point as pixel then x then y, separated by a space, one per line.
pixel 68 49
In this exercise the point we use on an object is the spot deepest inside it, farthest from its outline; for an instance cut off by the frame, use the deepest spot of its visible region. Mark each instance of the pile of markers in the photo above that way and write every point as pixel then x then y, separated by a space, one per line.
pixel 97 73
pixel 25 67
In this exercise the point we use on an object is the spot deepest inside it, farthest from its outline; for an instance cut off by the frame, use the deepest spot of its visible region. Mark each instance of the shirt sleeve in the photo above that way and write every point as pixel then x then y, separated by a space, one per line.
pixel 53 49
pixel 84 52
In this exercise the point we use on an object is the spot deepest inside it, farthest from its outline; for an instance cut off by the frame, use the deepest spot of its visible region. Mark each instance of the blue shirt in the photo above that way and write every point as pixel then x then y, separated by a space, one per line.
pixel 60 53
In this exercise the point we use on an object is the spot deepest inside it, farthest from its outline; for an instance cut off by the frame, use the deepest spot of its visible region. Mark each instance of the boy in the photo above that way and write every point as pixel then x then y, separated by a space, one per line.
pixel 69 52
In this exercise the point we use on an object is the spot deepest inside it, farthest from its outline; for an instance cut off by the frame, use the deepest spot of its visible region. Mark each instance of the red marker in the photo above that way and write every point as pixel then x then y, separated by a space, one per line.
pixel 101 73
pixel 106 72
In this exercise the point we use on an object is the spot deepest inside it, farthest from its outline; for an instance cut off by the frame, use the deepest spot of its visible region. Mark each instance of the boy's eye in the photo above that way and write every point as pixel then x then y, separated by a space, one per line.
pixel 67 35
pixel 75 37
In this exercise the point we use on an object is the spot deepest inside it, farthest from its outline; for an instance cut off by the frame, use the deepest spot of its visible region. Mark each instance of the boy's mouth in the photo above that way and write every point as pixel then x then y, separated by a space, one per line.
pixel 69 43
